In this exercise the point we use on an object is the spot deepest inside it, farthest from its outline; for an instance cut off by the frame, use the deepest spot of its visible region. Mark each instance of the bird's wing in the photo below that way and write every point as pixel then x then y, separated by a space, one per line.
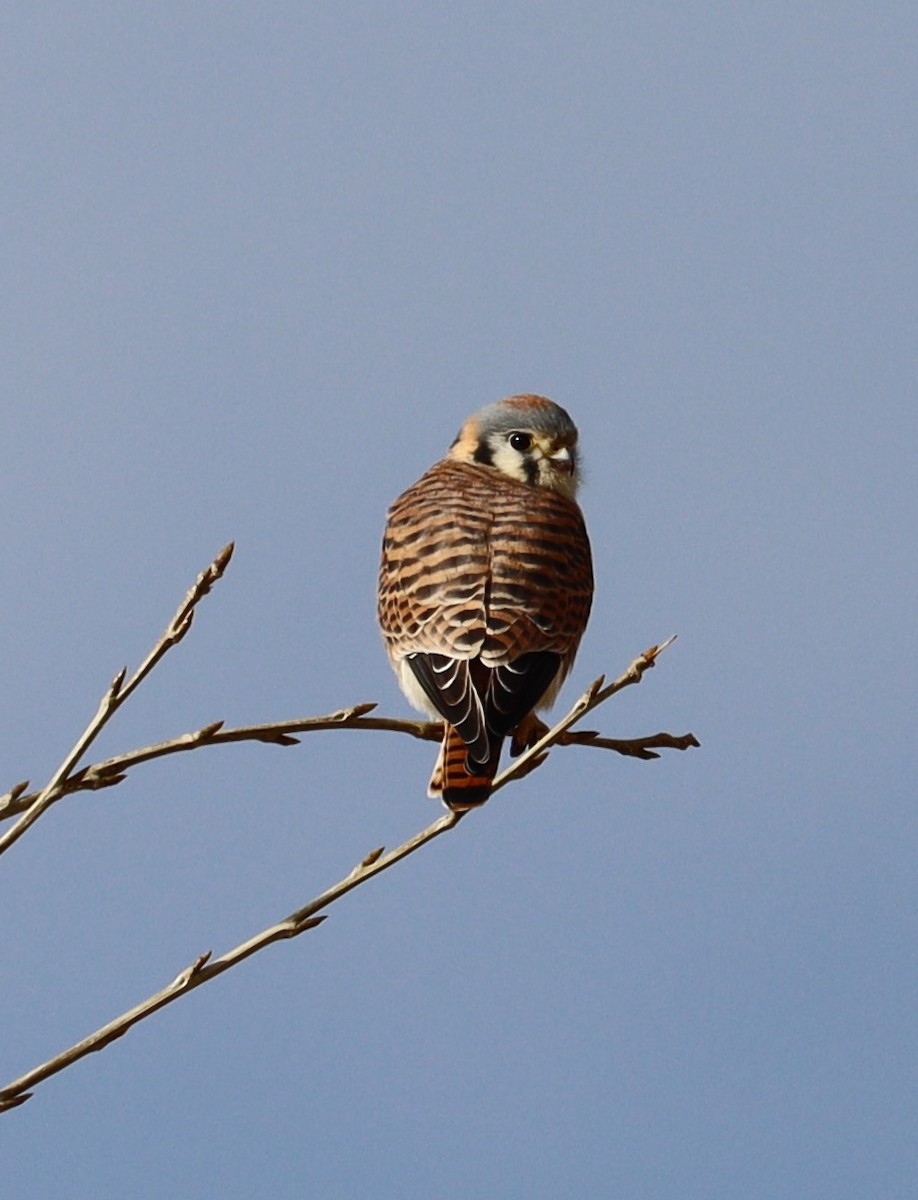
pixel 448 685
pixel 515 689
pixel 484 704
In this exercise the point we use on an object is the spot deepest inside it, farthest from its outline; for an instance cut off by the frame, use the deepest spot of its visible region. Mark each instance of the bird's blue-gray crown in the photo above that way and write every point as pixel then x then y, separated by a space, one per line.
pixel 535 413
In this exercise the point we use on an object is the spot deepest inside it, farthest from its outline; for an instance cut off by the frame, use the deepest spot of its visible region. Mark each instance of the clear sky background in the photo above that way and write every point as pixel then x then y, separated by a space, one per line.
pixel 259 261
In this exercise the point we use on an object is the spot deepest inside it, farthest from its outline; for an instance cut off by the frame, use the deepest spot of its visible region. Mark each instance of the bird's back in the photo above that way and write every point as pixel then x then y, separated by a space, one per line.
pixel 477 564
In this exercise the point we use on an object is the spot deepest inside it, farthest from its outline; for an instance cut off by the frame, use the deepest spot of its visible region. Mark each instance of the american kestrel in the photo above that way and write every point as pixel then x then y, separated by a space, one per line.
pixel 485 586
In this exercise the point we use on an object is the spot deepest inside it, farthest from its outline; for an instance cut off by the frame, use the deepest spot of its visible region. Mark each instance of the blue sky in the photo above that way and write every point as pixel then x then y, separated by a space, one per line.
pixel 260 261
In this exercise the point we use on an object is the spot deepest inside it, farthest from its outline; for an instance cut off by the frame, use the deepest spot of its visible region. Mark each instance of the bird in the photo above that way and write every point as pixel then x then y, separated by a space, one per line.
pixel 485 587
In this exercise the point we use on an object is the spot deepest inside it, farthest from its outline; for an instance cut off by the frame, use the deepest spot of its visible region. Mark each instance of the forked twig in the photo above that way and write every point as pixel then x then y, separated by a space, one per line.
pixel 114 770
pixel 595 695
pixel 205 968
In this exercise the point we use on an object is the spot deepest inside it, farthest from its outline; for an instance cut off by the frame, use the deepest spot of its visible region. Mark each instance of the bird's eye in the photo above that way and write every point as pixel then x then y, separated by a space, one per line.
pixel 520 441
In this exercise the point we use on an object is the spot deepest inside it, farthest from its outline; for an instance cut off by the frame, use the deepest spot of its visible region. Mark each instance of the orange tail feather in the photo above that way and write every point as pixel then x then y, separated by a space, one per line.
pixel 452 780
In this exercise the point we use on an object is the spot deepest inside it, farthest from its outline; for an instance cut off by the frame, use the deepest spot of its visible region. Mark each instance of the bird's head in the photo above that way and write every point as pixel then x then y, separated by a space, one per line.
pixel 529 438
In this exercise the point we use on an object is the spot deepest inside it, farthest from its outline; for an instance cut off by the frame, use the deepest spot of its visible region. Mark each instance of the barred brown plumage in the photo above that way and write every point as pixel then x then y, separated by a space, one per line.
pixel 486 583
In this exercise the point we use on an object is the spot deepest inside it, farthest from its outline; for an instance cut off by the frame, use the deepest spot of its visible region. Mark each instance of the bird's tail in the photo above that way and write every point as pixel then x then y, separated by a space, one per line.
pixel 462 783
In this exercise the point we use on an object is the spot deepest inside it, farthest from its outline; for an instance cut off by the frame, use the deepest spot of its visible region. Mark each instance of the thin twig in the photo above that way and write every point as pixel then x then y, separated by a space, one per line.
pixel 281 733
pixel 643 747
pixel 118 691
pixel 595 695
pixel 114 770
pixel 205 968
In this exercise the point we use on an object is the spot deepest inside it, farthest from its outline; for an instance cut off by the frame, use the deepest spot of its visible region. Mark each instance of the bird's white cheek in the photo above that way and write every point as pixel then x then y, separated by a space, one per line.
pixel 509 462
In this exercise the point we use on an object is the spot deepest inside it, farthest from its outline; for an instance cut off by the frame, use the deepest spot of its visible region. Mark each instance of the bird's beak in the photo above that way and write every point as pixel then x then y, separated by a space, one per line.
pixel 562 459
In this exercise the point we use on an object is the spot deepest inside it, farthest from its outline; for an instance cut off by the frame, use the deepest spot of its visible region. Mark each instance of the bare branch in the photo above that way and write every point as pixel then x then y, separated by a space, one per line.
pixel 205 968
pixel 118 691
pixel 283 733
pixel 280 733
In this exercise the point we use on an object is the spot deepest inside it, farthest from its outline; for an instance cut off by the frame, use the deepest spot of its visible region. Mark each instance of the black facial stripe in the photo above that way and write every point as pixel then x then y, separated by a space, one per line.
pixel 484 454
